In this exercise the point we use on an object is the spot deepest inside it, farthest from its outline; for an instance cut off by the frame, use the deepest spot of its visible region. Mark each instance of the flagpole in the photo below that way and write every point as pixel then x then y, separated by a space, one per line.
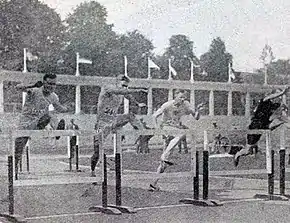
pixel 191 71
pixel 126 101
pixel 24 60
pixel 229 73
pixel 266 74
pixel 126 65
pixel 24 71
pixel 149 74
pixel 77 64
pixel 170 91
pixel 78 88
pixel 169 73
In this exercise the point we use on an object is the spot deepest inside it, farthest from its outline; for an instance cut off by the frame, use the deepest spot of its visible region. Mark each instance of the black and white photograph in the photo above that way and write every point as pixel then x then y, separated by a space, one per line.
pixel 144 111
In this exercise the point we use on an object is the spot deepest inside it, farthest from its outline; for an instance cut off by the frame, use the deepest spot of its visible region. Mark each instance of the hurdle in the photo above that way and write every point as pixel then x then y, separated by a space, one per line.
pixel 270 153
pixel 10 136
pixel 205 201
pixel 71 154
pixel 106 208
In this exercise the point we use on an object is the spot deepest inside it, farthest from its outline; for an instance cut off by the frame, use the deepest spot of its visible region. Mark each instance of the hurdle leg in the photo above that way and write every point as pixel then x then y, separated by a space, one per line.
pixel 195 171
pixel 282 156
pixel 69 153
pixel 77 158
pixel 10 216
pixel 195 163
pixel 105 208
pixel 27 157
pixel 270 154
pixel 10 185
pixel 118 175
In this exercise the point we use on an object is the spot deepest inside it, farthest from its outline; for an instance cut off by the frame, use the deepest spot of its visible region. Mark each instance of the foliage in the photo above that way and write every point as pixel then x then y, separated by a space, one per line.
pixel 180 52
pixel 29 24
pixel 89 34
pixel 216 61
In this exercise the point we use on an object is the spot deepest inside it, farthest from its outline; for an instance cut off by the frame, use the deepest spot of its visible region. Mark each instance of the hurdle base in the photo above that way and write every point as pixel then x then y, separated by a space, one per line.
pixel 124 209
pixel 286 195
pixel 13 218
pixel 204 203
pixel 105 210
pixel 74 171
pixel 275 197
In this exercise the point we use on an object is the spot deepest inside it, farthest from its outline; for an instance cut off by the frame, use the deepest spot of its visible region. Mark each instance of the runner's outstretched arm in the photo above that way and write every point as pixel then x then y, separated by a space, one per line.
pixel 276 95
pixel 125 91
pixel 159 112
pixel 131 98
pixel 25 88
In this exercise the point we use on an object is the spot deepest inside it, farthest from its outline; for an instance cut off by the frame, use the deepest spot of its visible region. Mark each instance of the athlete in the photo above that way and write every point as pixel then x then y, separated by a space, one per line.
pixel 268 109
pixel 108 121
pixel 173 111
pixel 35 112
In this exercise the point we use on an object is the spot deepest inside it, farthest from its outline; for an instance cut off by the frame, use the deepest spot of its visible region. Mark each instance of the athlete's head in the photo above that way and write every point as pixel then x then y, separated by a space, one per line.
pixel 49 83
pixel 123 81
pixel 180 96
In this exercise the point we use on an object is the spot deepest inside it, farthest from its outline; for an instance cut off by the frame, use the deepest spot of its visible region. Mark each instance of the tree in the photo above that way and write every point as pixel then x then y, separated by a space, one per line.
pixel 215 62
pixel 278 71
pixel 29 24
pixel 137 48
pixel 180 52
pixel 89 34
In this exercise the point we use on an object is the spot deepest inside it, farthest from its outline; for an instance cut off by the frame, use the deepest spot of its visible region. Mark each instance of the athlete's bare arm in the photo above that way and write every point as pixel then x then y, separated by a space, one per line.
pixel 160 112
pixel 124 91
pixel 131 98
pixel 26 88
pixel 276 95
pixel 58 106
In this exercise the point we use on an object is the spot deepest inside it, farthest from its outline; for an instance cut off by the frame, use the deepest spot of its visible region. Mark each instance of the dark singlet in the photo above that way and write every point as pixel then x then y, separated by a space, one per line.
pixel 264 111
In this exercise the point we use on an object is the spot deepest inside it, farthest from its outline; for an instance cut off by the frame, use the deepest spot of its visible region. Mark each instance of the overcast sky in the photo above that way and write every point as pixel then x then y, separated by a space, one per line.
pixel 245 25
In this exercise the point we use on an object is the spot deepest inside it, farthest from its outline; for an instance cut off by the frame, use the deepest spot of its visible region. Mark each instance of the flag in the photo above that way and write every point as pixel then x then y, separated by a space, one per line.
pixel 27 56
pixel 204 73
pixel 231 73
pixel 84 60
pixel 151 64
pixel 30 56
pixel 81 60
pixel 194 65
pixel 171 70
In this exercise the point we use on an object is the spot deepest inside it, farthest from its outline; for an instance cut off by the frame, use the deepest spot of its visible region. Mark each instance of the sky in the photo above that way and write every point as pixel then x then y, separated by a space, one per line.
pixel 244 25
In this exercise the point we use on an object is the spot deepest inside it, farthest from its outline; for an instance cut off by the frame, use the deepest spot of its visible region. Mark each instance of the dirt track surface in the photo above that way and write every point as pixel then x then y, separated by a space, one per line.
pixel 71 202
